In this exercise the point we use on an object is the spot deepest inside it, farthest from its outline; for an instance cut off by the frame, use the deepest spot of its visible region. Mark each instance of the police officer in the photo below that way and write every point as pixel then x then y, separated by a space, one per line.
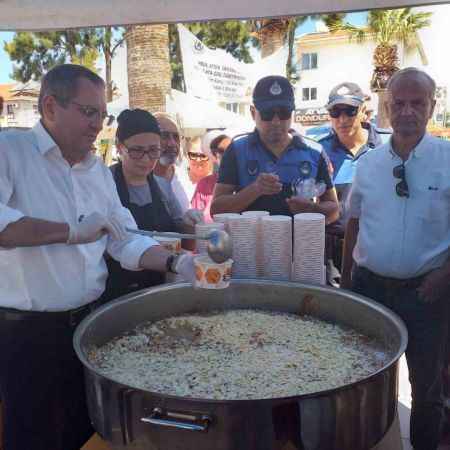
pixel 350 137
pixel 258 169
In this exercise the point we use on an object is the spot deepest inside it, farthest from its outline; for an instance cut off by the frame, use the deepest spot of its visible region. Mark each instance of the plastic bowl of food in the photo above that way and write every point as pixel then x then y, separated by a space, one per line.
pixel 212 275
pixel 169 243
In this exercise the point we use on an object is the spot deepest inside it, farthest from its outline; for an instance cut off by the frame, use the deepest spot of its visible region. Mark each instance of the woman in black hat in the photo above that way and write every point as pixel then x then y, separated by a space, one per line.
pixel 139 146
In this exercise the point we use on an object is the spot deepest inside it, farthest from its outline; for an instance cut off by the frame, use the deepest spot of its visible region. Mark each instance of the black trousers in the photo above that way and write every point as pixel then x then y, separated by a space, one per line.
pixel 41 385
pixel 427 325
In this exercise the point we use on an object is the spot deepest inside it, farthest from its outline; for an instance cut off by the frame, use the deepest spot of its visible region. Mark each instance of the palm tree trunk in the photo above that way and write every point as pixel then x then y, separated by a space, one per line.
pixel 149 73
pixel 385 58
pixel 108 63
pixel 382 114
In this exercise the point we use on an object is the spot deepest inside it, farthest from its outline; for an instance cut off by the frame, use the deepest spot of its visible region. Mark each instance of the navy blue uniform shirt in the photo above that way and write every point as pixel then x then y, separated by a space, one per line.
pixel 247 157
pixel 344 164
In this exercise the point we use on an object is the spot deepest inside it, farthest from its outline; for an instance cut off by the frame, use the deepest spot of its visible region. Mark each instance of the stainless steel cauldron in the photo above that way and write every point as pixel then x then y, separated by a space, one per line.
pixel 354 417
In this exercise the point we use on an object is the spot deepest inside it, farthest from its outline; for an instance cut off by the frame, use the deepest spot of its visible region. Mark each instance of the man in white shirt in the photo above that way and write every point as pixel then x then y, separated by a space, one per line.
pixel 59 212
pixel 165 171
pixel 399 236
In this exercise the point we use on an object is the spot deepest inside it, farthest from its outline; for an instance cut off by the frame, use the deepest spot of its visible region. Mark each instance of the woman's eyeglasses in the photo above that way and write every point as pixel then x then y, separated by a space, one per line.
pixel 193 156
pixel 139 152
pixel 401 188
pixel 349 111
pixel 267 115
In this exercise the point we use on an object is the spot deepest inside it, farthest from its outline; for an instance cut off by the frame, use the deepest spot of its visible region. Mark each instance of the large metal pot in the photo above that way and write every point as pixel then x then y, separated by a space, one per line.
pixel 353 417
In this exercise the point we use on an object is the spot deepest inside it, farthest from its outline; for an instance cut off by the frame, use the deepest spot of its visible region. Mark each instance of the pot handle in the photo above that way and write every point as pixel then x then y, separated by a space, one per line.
pixel 178 420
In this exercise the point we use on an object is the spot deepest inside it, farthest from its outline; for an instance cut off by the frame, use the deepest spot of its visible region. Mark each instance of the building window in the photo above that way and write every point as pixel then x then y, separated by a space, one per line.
pixel 309 94
pixel 309 61
pixel 233 107
pixel 10 109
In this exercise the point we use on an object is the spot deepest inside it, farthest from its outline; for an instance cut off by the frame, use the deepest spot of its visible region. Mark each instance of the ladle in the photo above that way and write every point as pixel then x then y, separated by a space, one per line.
pixel 219 245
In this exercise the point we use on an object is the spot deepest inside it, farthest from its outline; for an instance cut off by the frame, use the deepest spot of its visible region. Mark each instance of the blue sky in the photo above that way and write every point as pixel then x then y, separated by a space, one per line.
pixel 6 66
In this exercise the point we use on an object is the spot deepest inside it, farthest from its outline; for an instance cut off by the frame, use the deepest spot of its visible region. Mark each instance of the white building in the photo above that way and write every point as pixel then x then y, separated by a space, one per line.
pixel 327 59
pixel 20 105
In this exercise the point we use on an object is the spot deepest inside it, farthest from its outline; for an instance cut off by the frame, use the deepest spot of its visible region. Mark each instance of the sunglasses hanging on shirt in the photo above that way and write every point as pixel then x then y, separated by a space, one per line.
pixel 401 188
pixel 349 111
pixel 267 115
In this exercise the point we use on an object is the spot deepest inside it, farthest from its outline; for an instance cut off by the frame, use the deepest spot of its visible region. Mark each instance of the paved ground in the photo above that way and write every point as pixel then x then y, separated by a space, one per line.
pixel 404 406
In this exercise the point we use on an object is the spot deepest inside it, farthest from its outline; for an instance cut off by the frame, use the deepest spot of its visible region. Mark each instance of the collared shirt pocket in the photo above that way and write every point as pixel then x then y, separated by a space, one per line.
pixel 434 209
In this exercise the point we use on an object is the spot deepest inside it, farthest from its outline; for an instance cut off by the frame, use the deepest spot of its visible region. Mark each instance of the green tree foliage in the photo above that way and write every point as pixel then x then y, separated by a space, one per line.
pixel 230 35
pixel 107 40
pixel 34 54
pixel 386 26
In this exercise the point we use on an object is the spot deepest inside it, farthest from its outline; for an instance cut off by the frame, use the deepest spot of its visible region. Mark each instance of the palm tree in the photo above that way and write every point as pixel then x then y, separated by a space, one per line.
pixel 272 34
pixel 387 28
pixel 149 73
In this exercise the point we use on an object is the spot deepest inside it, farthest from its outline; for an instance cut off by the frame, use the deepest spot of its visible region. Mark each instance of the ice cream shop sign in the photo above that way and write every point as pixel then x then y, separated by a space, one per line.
pixel 311 116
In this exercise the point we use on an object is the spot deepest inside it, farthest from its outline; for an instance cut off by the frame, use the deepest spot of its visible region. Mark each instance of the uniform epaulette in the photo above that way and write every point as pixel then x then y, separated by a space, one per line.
pixel 240 136
pixel 383 130
pixel 311 143
pixel 323 137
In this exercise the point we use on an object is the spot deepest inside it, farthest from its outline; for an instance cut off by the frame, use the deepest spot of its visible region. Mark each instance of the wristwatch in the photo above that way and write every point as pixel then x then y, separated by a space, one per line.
pixel 171 263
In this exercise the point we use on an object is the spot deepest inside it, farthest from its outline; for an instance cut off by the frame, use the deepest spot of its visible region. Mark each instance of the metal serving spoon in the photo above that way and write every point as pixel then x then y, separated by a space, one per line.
pixel 220 245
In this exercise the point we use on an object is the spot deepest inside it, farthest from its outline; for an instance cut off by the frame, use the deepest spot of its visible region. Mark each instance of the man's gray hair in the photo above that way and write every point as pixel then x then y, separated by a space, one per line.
pixel 413 72
pixel 62 83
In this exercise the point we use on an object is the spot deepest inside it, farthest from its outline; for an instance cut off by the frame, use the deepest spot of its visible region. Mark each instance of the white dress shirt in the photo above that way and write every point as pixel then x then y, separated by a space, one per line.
pixel 403 237
pixel 174 195
pixel 37 182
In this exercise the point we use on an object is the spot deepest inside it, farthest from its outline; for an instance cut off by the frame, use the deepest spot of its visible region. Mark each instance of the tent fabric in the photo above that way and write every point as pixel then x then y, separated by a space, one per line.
pixel 195 113
pixel 17 15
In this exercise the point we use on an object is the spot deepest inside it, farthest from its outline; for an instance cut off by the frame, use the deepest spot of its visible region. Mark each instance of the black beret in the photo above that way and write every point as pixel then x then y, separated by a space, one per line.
pixel 135 121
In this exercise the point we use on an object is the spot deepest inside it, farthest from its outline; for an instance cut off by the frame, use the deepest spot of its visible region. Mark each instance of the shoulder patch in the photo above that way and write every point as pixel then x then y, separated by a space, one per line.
pixel 311 143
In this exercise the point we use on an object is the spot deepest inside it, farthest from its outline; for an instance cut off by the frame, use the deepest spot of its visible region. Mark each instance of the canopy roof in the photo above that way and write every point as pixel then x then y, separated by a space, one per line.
pixel 30 15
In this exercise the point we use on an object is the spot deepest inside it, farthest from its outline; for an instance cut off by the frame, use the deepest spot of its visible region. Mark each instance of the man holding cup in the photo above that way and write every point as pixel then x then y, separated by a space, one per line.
pixel 259 169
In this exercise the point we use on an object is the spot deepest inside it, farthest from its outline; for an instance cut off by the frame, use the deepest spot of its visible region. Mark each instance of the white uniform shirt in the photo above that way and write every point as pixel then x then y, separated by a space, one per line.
pixel 184 182
pixel 174 195
pixel 403 237
pixel 36 181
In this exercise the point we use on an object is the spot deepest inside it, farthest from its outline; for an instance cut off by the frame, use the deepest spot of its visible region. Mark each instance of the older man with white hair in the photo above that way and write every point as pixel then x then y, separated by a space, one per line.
pixel 165 171
pixel 399 237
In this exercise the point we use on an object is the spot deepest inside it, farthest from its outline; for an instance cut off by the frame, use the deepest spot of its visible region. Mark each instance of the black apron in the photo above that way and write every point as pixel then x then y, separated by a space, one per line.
pixel 153 216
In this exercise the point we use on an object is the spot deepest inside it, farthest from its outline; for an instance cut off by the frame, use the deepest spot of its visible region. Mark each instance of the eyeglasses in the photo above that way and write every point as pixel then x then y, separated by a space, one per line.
pixel 91 112
pixel 349 111
pixel 401 188
pixel 267 115
pixel 139 152
pixel 167 135
pixel 193 156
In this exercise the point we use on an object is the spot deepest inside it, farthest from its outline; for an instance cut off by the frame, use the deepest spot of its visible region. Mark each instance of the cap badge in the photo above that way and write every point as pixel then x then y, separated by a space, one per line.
pixel 275 89
pixel 344 90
